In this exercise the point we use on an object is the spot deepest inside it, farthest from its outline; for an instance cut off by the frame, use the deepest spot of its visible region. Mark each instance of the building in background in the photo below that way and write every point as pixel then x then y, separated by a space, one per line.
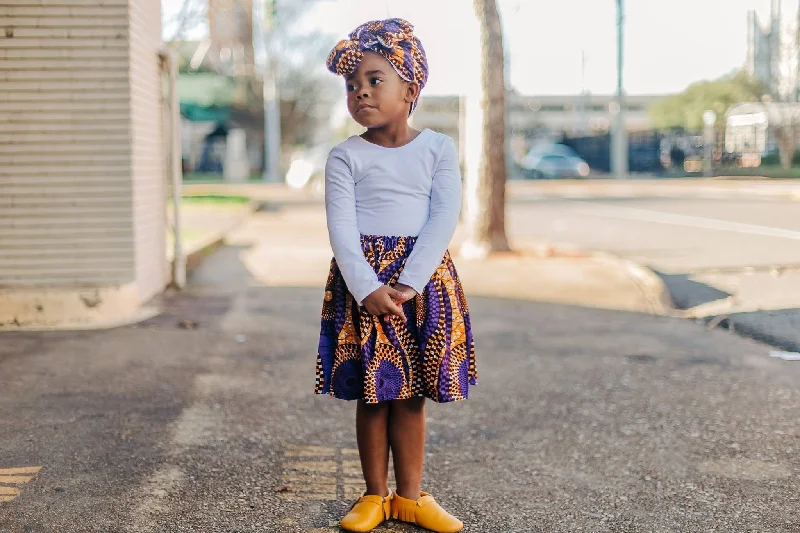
pixel 542 116
pixel 773 50
pixel 759 50
pixel 82 162
pixel 751 128
pixel 533 119
pixel 221 92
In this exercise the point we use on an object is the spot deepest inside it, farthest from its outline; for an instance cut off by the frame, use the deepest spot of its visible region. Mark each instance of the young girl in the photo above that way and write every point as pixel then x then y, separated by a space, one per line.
pixel 395 323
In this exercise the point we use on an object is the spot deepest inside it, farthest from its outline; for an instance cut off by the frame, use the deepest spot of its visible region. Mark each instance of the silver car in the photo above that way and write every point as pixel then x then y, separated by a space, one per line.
pixel 554 161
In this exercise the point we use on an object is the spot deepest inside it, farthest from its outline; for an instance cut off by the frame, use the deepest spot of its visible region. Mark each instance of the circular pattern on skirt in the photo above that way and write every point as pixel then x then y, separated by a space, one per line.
pixel 376 359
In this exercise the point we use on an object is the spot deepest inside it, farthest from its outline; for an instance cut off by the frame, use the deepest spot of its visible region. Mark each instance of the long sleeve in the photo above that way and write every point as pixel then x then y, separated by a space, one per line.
pixel 345 239
pixel 435 236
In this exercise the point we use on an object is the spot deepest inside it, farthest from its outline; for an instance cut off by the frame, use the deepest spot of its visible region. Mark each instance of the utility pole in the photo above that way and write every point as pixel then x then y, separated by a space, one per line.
pixel 709 133
pixel 619 145
pixel 583 102
pixel 272 112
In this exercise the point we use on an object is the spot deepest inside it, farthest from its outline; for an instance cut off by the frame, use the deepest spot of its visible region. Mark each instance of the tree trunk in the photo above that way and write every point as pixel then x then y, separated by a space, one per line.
pixel 785 134
pixel 486 216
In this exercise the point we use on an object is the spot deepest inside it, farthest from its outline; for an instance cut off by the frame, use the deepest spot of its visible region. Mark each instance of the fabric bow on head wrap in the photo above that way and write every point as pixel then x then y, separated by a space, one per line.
pixel 394 39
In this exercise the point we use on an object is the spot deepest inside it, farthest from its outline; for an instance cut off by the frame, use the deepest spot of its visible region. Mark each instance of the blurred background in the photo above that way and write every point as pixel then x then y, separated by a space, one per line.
pixel 738 65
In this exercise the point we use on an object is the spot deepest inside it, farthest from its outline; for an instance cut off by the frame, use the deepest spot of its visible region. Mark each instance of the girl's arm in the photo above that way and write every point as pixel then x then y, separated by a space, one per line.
pixel 340 209
pixel 435 236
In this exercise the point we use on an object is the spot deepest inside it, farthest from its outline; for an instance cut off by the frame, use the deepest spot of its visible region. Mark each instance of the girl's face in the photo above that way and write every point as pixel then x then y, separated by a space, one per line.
pixel 376 95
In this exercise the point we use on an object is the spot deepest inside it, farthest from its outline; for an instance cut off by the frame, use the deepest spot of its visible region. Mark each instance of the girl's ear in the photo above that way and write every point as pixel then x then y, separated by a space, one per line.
pixel 412 91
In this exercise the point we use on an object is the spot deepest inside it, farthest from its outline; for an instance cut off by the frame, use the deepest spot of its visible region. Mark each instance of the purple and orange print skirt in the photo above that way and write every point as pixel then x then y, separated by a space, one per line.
pixel 378 359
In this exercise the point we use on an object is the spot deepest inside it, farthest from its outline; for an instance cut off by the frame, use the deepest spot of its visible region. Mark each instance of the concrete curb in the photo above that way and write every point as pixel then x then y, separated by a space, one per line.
pixel 652 286
pixel 206 246
pixel 649 283
pixel 143 313
pixel 601 189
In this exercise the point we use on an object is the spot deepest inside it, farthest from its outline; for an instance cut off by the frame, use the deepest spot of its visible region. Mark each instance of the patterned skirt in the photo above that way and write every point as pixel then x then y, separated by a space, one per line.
pixel 378 359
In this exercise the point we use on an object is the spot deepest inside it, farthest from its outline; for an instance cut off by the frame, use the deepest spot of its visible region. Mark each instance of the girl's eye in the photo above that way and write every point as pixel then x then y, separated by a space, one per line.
pixel 350 87
pixel 374 81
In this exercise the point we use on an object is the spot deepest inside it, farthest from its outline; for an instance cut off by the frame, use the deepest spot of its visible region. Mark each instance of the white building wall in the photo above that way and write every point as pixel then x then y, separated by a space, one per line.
pixel 81 165
pixel 149 175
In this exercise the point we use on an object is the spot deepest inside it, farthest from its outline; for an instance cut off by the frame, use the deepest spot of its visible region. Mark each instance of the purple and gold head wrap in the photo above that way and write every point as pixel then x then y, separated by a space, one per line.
pixel 394 39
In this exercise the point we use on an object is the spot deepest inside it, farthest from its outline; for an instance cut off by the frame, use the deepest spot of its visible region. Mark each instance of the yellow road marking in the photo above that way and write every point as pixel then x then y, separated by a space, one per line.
pixel 287 478
pixel 15 479
pixel 309 451
pixel 15 476
pixel 327 467
pixel 351 467
pixel 23 470
pixel 349 451
pixel 311 488
pixel 321 496
pixel 351 491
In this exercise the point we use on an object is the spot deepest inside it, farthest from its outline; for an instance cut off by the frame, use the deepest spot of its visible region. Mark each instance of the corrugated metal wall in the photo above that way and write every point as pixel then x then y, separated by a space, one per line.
pixel 81 183
pixel 149 178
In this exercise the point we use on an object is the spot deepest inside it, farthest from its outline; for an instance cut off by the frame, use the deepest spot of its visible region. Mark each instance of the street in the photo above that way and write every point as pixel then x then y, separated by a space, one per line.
pixel 671 235
pixel 202 418
pixel 735 261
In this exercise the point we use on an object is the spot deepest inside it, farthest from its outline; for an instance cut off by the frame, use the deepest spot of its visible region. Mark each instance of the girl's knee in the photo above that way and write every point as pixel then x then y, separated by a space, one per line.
pixel 412 404
pixel 372 408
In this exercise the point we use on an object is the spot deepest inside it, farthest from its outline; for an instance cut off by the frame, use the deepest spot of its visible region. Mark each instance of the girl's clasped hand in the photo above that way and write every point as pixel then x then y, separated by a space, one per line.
pixel 389 300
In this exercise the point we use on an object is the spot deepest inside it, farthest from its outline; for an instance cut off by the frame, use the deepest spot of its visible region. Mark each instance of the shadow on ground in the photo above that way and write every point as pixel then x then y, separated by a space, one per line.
pixel 776 327
pixel 687 293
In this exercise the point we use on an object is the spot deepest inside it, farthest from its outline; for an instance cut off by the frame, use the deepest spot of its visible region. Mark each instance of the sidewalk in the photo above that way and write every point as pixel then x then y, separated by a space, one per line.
pixel 289 248
pixel 203 228
pixel 760 311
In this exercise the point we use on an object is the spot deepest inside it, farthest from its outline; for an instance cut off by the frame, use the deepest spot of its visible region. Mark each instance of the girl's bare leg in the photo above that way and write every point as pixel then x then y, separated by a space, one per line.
pixel 373 445
pixel 407 441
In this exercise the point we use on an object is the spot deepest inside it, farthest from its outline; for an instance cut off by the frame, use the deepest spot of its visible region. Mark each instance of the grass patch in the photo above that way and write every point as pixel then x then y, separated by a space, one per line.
pixel 765 171
pixel 209 177
pixel 215 199
pixel 768 171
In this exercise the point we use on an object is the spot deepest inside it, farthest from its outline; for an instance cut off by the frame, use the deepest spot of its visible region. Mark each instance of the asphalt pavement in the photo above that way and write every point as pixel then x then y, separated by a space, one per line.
pixel 735 261
pixel 202 420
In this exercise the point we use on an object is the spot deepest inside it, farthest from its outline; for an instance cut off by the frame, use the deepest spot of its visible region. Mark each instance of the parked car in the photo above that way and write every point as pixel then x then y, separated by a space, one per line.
pixel 554 161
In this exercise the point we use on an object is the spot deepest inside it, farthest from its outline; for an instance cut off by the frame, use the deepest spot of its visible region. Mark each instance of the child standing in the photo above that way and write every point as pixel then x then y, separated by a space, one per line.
pixel 395 323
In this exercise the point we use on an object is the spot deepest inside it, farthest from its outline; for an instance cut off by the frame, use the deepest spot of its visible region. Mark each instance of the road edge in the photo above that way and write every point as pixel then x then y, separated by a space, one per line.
pixel 649 283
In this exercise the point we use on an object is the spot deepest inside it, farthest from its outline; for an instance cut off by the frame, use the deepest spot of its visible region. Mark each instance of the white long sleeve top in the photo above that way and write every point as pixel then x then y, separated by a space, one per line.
pixel 412 190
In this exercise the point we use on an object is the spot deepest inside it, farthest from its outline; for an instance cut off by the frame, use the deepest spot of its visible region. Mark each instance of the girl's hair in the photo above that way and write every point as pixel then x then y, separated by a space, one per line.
pixel 394 39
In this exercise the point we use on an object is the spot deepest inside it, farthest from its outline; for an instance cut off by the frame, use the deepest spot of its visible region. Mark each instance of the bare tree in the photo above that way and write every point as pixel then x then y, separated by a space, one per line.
pixel 486 215
pixel 191 14
pixel 308 92
pixel 304 86
pixel 784 86
pixel 785 119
